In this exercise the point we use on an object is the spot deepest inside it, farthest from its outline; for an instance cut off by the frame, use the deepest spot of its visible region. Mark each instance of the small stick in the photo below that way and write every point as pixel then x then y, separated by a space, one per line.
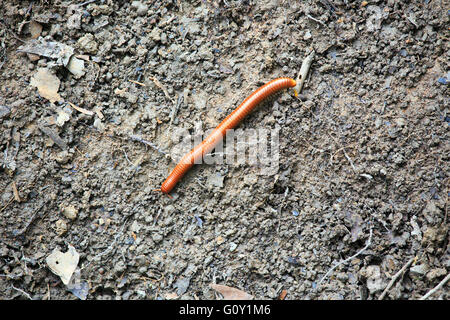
pixel 99 113
pixel 16 193
pixel 148 143
pixel 9 276
pixel 316 20
pixel 22 292
pixel 446 209
pixel 175 109
pixel 348 259
pixel 281 208
pixel 345 154
pixel 395 277
pixel 82 110
pixel 301 78
pixel 161 86
pixel 201 185
pixel 440 285
pixel 86 2
pixel 126 157
pixel 349 160
pixel 162 24
pixel 139 83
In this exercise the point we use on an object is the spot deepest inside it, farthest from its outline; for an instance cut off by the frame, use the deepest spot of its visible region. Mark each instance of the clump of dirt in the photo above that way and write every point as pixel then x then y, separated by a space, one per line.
pixel 362 182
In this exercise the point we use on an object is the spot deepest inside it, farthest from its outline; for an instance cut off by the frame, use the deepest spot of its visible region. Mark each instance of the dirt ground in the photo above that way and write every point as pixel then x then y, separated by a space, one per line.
pixel 362 187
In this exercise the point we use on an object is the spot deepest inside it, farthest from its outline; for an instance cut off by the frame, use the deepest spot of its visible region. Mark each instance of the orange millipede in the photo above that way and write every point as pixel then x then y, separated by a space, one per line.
pixel 231 121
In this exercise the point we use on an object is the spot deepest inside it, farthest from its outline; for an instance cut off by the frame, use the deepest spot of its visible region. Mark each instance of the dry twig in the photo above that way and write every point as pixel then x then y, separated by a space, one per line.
pixel 138 83
pixel 369 241
pixel 82 110
pixel 148 143
pixel 22 292
pixel 440 285
pixel 175 109
pixel 349 160
pixel 162 87
pixel 316 20
pixel 395 277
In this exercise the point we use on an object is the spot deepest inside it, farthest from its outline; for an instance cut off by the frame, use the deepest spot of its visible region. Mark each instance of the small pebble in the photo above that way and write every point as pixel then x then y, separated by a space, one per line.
pixel 141 8
pixel 70 212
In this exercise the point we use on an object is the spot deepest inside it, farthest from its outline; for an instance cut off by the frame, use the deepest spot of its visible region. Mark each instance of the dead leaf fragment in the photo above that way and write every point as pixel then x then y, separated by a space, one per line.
pixel 47 84
pixel 230 293
pixel 59 52
pixel 16 193
pixel 62 118
pixel 63 264
pixel 283 294
pixel 171 296
pixel 76 67
pixel 76 12
pixel 35 29
pixel 33 57
pixel 120 92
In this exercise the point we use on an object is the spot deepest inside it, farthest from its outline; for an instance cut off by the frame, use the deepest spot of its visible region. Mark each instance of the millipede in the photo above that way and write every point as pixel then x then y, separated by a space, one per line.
pixel 231 121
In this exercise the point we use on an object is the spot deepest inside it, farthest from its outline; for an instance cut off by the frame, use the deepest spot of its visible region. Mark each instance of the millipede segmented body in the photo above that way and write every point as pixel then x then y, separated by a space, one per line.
pixel 230 122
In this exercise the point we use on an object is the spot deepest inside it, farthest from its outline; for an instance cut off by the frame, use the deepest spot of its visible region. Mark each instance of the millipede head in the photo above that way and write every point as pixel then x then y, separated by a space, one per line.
pixel 163 192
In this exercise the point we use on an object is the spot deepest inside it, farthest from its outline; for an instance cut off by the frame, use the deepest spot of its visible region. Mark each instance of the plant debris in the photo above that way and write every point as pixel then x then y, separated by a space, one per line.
pixel 230 293
pixel 63 264
pixel 58 52
pixel 47 84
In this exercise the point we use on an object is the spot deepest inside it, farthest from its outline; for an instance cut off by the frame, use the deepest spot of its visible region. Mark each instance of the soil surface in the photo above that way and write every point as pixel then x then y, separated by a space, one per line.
pixel 90 94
